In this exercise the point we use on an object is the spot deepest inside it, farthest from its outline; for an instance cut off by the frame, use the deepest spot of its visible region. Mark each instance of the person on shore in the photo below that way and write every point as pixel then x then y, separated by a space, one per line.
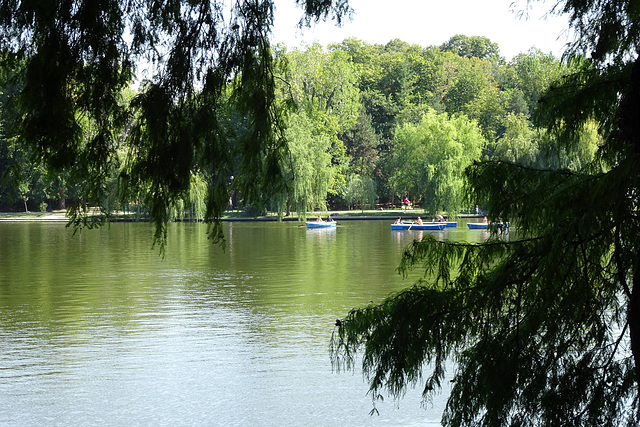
pixel 406 203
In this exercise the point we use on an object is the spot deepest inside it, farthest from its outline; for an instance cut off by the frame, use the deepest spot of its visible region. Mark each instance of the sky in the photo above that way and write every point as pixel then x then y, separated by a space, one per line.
pixel 431 23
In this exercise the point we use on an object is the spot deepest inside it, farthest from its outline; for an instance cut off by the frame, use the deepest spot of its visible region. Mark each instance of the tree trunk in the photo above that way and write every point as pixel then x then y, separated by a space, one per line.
pixel 630 128
pixel 634 324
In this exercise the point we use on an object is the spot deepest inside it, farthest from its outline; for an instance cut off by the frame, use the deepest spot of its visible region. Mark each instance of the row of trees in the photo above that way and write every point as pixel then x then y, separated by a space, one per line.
pixel 401 119
pixel 364 124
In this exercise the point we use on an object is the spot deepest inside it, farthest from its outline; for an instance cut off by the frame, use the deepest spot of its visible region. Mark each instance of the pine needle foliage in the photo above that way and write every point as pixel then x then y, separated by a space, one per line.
pixel 537 324
pixel 542 324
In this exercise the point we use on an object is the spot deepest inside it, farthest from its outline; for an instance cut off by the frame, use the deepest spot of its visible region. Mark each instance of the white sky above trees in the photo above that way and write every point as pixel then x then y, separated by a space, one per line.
pixel 431 23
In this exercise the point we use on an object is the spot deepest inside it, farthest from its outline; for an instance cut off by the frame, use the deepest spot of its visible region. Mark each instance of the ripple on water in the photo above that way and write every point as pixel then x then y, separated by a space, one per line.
pixel 102 331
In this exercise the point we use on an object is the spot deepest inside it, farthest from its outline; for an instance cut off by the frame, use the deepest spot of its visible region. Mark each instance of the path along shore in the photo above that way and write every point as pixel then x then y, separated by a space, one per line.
pixel 390 215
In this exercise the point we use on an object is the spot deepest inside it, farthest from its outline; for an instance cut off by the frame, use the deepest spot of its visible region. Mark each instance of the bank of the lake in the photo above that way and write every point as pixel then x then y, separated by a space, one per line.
pixel 383 215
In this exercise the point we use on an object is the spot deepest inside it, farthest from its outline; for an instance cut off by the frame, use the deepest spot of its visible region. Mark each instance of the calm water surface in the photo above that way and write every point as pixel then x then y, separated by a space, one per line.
pixel 97 329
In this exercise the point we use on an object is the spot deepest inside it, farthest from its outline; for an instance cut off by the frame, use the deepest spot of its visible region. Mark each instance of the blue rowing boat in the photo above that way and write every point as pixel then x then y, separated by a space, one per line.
pixel 423 226
pixel 329 224
pixel 483 226
pixel 447 224
pixel 477 225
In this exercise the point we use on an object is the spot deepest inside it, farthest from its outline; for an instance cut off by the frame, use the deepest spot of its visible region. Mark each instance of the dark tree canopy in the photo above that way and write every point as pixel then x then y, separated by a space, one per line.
pixel 543 323
pixel 76 57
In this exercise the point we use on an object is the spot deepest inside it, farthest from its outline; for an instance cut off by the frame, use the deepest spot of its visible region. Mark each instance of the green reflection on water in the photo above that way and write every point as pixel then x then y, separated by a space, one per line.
pixel 49 275
pixel 201 334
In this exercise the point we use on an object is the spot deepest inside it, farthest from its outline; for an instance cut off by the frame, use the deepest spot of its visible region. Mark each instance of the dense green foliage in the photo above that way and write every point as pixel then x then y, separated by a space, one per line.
pixel 432 157
pixel 309 164
pixel 208 107
pixel 222 110
pixel 542 323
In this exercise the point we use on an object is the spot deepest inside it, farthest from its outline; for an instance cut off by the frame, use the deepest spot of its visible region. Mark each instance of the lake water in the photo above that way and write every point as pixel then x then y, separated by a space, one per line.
pixel 98 329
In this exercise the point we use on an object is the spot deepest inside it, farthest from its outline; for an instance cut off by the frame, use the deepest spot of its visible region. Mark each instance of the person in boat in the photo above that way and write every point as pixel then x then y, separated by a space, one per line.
pixel 419 221
pixel 319 219
pixel 398 221
pixel 439 218
pixel 329 219
pixel 484 220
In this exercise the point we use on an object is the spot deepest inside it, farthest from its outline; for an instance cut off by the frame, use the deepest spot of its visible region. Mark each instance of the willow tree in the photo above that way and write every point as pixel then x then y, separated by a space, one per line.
pixel 431 157
pixel 78 57
pixel 543 328
pixel 323 86
pixel 308 168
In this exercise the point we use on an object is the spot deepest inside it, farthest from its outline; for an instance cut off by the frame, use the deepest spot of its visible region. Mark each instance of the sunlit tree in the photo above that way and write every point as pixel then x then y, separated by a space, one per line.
pixel 308 168
pixel 472 47
pixel 431 157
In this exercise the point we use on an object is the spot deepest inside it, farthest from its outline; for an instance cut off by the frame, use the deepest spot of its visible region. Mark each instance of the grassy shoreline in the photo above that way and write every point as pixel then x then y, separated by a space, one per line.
pixel 60 216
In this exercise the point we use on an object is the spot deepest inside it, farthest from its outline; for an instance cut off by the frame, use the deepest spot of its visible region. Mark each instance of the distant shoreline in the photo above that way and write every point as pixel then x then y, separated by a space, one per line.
pixel 339 216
